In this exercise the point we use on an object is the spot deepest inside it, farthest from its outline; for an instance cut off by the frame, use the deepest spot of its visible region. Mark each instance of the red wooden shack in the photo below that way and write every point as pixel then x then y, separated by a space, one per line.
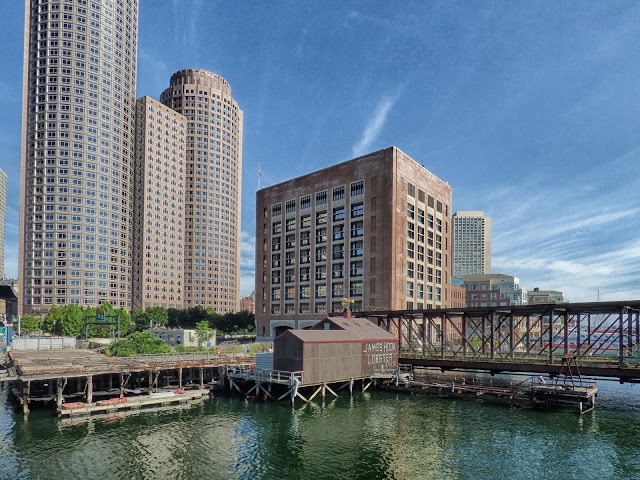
pixel 336 349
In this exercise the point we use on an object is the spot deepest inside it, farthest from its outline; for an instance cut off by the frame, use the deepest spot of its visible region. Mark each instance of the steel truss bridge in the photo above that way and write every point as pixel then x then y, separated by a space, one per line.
pixel 603 338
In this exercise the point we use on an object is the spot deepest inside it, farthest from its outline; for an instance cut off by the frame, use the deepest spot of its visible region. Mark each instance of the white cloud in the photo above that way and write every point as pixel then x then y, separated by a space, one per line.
pixel 374 126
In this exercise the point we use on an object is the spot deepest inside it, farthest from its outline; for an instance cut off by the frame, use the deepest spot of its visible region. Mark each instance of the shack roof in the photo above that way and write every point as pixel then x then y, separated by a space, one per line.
pixel 342 329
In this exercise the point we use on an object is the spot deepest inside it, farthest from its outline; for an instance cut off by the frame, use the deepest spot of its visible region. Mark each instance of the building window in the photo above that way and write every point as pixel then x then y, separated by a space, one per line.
pixel 276 228
pixel 290 293
pixel 275 294
pixel 321 235
pixel 410 252
pixel 304 256
pixel 357 228
pixel 357 188
pixel 337 270
pixel 305 274
pixel 356 268
pixel 357 210
pixel 321 291
pixel 291 240
pixel 355 288
pixel 338 232
pixel 321 272
pixel 291 225
pixel 411 190
pixel 410 211
pixel 275 309
pixel 338 214
pixel 321 308
pixel 410 230
pixel 357 249
pixel 305 221
pixel 276 210
pixel 321 198
pixel 305 202
pixel 275 244
pixel 338 252
pixel 290 206
pixel 305 291
pixel 410 270
pixel 421 216
pixel 410 289
pixel 275 260
pixel 321 218
pixel 337 290
pixel 289 275
pixel 338 193
pixel 321 254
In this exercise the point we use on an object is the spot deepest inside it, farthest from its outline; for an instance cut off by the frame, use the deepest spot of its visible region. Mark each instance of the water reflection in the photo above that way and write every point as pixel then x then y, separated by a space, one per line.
pixel 372 435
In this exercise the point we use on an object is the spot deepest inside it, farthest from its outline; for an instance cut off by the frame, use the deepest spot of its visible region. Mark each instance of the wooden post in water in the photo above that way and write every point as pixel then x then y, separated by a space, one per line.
pixel 26 387
pixel 59 397
pixel 90 389
pixel 201 378
pixel 121 385
pixel 180 376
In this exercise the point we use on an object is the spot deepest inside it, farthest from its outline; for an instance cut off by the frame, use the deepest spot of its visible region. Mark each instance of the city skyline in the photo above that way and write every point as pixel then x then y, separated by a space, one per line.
pixel 527 111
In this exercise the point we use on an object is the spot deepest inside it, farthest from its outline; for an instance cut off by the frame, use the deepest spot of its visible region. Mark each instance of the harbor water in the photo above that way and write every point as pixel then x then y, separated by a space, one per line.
pixel 372 435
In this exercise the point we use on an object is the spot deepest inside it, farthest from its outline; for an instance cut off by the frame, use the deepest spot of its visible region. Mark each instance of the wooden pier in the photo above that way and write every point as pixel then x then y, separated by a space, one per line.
pixel 56 377
pixel 532 392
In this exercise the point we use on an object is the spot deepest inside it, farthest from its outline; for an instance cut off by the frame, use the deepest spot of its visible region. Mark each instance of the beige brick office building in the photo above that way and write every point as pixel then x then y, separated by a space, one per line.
pixel 77 153
pixel 213 179
pixel 375 229
pixel 158 222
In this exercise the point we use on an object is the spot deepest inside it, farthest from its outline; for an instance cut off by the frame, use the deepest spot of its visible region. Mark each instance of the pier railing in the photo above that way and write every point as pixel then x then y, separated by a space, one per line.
pixel 264 375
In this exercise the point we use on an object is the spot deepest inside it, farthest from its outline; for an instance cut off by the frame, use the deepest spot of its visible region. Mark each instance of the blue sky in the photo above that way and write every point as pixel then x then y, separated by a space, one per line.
pixel 529 110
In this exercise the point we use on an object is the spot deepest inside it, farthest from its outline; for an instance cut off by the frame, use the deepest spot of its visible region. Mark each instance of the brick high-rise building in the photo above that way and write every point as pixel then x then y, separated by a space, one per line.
pixel 77 153
pixel 158 243
pixel 471 243
pixel 374 229
pixel 213 180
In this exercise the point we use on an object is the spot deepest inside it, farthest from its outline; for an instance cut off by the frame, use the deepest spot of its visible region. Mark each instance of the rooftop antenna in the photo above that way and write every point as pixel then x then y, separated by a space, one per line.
pixel 259 176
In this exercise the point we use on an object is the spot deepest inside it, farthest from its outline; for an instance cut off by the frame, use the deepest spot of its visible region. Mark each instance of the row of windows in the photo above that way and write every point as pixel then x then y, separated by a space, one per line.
pixel 338 193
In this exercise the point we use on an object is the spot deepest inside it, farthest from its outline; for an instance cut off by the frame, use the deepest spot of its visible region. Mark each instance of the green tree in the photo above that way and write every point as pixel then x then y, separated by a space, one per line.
pixel 72 323
pixel 158 316
pixel 54 318
pixel 29 324
pixel 204 332
pixel 141 319
pixel 138 343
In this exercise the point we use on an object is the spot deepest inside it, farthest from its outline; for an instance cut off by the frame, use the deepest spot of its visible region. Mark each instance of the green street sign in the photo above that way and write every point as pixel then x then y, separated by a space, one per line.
pixel 100 318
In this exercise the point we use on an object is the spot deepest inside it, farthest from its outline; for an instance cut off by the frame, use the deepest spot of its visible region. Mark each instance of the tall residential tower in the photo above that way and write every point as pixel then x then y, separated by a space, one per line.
pixel 158 221
pixel 471 243
pixel 77 153
pixel 213 180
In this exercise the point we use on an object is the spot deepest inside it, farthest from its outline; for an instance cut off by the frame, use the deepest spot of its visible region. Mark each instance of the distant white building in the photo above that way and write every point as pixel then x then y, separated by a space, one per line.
pixel 179 336
pixel 471 243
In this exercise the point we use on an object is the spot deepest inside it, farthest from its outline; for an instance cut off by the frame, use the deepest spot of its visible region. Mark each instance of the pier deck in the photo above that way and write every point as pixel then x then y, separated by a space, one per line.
pixel 65 375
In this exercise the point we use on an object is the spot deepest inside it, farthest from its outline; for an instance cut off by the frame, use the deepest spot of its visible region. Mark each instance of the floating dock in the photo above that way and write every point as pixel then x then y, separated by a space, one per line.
pixel 143 402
